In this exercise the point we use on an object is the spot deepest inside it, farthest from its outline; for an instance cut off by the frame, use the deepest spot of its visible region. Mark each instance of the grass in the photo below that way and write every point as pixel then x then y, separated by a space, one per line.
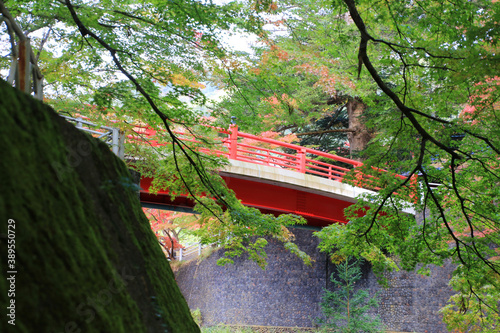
pixel 226 329
pixel 221 328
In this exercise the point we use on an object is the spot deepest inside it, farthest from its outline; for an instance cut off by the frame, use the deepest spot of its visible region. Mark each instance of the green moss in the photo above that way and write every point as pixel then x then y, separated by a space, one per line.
pixel 86 258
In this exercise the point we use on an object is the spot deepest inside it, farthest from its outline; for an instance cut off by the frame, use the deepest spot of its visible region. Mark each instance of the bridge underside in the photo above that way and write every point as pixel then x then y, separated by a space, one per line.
pixel 319 211
pixel 273 191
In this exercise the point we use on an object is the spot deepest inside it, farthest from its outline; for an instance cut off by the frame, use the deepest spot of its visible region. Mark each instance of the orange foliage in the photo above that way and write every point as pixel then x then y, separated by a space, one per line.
pixel 162 222
pixel 480 104
pixel 327 80
pixel 181 80
pixel 256 71
pixel 281 105
pixel 275 51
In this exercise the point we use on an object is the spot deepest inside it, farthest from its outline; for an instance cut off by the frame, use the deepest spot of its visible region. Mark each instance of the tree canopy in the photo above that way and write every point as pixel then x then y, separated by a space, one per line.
pixel 427 72
pixel 433 65
pixel 129 63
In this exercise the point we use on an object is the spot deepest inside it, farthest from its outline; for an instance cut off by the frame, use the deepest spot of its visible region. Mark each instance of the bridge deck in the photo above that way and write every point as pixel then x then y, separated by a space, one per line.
pixel 276 191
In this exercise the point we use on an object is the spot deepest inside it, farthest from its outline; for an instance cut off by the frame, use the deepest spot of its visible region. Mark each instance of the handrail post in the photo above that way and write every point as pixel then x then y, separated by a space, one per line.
pixel 23 82
pixel 23 59
pixel 13 71
pixel 38 86
pixel 121 145
pixel 117 140
pixel 302 160
pixel 233 142
pixel 180 254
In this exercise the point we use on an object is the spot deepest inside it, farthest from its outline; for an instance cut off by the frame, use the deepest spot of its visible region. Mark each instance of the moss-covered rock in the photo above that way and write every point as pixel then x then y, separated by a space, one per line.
pixel 85 257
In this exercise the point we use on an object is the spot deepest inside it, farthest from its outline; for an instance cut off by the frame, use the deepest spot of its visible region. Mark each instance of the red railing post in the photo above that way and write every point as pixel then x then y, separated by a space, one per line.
pixel 233 142
pixel 302 160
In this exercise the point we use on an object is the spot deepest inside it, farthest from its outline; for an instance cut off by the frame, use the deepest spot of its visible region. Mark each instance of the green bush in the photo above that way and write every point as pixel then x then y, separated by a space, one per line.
pixel 196 314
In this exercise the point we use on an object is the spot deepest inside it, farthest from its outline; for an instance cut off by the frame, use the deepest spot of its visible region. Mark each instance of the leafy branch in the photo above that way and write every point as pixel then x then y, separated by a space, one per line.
pixel 176 142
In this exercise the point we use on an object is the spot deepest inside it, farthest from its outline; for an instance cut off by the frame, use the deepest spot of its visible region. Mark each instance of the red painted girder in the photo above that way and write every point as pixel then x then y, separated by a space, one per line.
pixel 318 210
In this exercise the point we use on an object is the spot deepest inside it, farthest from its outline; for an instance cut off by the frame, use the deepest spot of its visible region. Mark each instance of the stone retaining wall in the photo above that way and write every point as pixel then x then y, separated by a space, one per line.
pixel 288 293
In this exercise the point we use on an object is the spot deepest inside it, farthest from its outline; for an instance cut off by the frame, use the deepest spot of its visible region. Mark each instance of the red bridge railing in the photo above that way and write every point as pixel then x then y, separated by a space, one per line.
pixel 264 151
pixel 285 155
pixel 303 160
pixel 250 148
pixel 245 147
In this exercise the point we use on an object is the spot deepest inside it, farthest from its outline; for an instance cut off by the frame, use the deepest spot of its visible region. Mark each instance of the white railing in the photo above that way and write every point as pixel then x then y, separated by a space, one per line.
pixel 109 135
pixel 190 252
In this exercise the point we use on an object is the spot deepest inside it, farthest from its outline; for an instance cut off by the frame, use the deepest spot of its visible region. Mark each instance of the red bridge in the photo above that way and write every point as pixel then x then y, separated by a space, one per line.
pixel 278 178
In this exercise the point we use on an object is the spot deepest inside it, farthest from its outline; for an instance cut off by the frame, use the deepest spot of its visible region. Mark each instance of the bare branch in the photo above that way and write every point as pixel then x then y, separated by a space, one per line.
pixel 393 190
pixel 442 215
pixel 42 43
pixel 363 57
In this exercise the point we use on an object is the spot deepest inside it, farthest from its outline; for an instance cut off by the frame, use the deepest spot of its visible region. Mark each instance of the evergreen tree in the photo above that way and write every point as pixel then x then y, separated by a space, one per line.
pixel 345 309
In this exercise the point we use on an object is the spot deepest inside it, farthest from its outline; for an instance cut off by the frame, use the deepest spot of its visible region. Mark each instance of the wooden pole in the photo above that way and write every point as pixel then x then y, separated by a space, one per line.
pixel 23 82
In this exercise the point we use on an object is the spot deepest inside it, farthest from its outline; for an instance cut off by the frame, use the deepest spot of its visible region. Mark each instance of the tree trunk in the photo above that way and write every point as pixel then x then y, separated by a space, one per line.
pixel 360 135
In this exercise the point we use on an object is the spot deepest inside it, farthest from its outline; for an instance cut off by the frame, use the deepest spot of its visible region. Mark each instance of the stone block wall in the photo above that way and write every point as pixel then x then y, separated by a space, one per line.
pixel 287 293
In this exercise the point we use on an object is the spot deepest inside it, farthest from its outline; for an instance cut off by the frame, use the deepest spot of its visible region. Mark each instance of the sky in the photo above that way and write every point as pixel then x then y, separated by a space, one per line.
pixel 237 42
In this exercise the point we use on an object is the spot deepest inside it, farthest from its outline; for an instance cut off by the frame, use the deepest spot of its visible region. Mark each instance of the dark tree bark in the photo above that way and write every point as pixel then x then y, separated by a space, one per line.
pixel 360 135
